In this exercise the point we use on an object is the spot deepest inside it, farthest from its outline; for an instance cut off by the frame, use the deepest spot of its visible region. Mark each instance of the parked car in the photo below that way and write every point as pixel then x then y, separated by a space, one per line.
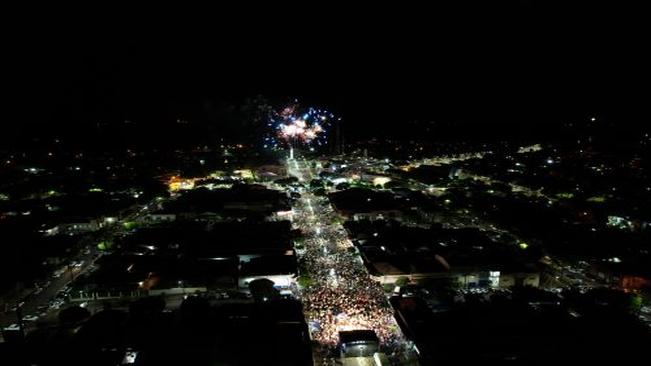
pixel 30 318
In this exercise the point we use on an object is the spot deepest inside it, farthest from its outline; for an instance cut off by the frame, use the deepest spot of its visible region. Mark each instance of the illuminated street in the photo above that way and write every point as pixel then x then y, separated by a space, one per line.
pixel 342 296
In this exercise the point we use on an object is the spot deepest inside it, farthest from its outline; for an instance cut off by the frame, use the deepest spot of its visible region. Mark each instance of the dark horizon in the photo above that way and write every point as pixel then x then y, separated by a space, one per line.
pixel 523 66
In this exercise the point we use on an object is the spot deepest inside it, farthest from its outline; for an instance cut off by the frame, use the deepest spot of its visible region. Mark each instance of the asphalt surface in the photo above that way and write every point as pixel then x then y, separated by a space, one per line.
pixel 35 303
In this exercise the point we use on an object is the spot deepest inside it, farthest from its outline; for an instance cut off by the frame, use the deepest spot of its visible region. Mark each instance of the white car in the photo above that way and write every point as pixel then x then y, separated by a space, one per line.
pixel 30 318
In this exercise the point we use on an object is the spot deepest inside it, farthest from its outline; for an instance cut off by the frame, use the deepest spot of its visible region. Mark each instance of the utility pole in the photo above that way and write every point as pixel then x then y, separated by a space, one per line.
pixel 19 317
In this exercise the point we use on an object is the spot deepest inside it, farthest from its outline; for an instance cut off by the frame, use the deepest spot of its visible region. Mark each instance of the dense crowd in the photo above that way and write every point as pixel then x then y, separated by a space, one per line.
pixel 343 296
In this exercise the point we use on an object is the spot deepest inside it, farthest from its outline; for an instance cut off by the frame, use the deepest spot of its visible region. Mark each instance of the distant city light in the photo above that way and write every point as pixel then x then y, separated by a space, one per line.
pixel 381 181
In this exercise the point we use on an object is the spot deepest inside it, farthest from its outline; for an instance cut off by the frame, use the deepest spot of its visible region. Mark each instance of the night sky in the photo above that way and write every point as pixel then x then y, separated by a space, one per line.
pixel 519 65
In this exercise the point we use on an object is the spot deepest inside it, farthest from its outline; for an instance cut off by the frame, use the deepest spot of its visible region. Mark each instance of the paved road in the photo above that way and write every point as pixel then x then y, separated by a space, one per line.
pixel 333 269
pixel 32 303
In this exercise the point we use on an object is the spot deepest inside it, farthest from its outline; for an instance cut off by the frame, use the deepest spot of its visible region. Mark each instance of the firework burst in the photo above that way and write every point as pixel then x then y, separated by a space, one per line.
pixel 293 125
